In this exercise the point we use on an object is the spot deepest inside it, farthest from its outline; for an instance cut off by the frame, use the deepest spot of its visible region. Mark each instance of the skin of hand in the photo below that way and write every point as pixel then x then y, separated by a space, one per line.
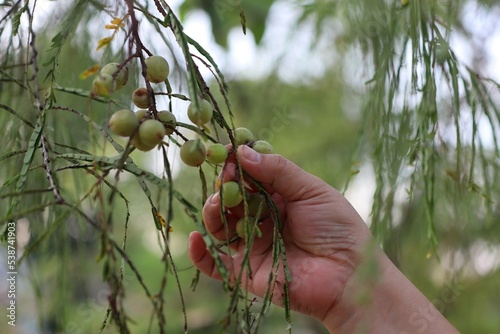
pixel 325 242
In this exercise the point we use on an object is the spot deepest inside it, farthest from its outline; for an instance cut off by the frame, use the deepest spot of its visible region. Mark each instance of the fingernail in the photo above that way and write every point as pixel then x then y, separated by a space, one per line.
pixel 250 154
pixel 214 199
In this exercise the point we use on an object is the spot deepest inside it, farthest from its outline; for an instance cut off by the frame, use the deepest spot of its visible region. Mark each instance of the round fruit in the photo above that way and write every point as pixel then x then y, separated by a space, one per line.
pixel 217 153
pixel 157 69
pixel 256 200
pixel 193 153
pixel 243 136
pixel 231 194
pixel 123 122
pixel 103 85
pixel 169 121
pixel 140 98
pixel 151 132
pixel 142 115
pixel 263 147
pixel 202 114
pixel 136 141
pixel 121 76
pixel 241 226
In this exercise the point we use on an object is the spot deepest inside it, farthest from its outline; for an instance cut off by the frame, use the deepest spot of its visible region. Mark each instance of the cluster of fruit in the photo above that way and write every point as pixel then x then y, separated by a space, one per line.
pixel 147 132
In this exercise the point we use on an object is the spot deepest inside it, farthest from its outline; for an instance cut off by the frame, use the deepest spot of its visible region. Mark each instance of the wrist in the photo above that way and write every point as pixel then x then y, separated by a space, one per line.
pixel 380 299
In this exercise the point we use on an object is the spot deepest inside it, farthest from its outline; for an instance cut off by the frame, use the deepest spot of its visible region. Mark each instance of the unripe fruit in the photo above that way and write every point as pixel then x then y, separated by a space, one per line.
pixel 217 153
pixel 151 132
pixel 136 141
pixel 256 200
pixel 231 194
pixel 140 98
pixel 157 69
pixel 103 85
pixel 168 120
pixel 141 115
pixel 241 226
pixel 243 136
pixel 263 147
pixel 193 153
pixel 121 76
pixel 123 122
pixel 202 114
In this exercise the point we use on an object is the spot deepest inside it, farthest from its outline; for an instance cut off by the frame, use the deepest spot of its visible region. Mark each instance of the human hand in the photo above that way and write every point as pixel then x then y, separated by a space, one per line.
pixel 324 236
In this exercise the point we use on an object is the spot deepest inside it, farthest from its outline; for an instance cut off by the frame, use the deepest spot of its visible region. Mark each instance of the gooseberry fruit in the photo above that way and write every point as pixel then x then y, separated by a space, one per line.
pixel 243 136
pixel 141 115
pixel 136 141
pixel 263 147
pixel 123 122
pixel 121 76
pixel 151 132
pixel 231 194
pixel 193 152
pixel 217 153
pixel 140 98
pixel 241 226
pixel 103 85
pixel 255 200
pixel 157 69
pixel 202 114
pixel 168 120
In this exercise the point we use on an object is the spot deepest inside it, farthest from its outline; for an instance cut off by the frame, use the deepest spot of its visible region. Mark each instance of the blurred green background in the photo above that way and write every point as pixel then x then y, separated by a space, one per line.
pixel 300 78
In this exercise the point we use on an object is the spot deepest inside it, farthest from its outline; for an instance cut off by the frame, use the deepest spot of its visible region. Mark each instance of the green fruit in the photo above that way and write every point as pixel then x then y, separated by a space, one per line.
pixel 231 194
pixel 151 132
pixel 241 226
pixel 140 98
pixel 263 147
pixel 202 114
pixel 157 69
pixel 193 153
pixel 121 76
pixel 217 153
pixel 256 200
pixel 136 141
pixel 142 115
pixel 168 120
pixel 243 136
pixel 123 122
pixel 103 85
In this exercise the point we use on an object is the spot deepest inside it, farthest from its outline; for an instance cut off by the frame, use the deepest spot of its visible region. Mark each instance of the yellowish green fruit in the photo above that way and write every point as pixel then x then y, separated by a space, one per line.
pixel 142 114
pixel 243 136
pixel 193 153
pixel 217 153
pixel 151 132
pixel 136 141
pixel 168 120
pixel 242 224
pixel 157 69
pixel 121 76
pixel 231 194
pixel 201 114
pixel 140 98
pixel 263 147
pixel 123 122
pixel 103 85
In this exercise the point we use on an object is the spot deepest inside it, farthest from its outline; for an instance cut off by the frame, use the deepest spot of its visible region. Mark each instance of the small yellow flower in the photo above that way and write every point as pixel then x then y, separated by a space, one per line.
pixel 103 42
pixel 163 222
pixel 118 22
pixel 89 72
pixel 404 2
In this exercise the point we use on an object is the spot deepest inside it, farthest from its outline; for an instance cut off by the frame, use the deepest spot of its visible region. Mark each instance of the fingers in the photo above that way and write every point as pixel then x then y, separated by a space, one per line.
pixel 286 178
pixel 201 258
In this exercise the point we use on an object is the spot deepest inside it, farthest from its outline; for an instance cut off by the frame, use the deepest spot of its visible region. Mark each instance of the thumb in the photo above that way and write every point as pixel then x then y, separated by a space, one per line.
pixel 285 177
